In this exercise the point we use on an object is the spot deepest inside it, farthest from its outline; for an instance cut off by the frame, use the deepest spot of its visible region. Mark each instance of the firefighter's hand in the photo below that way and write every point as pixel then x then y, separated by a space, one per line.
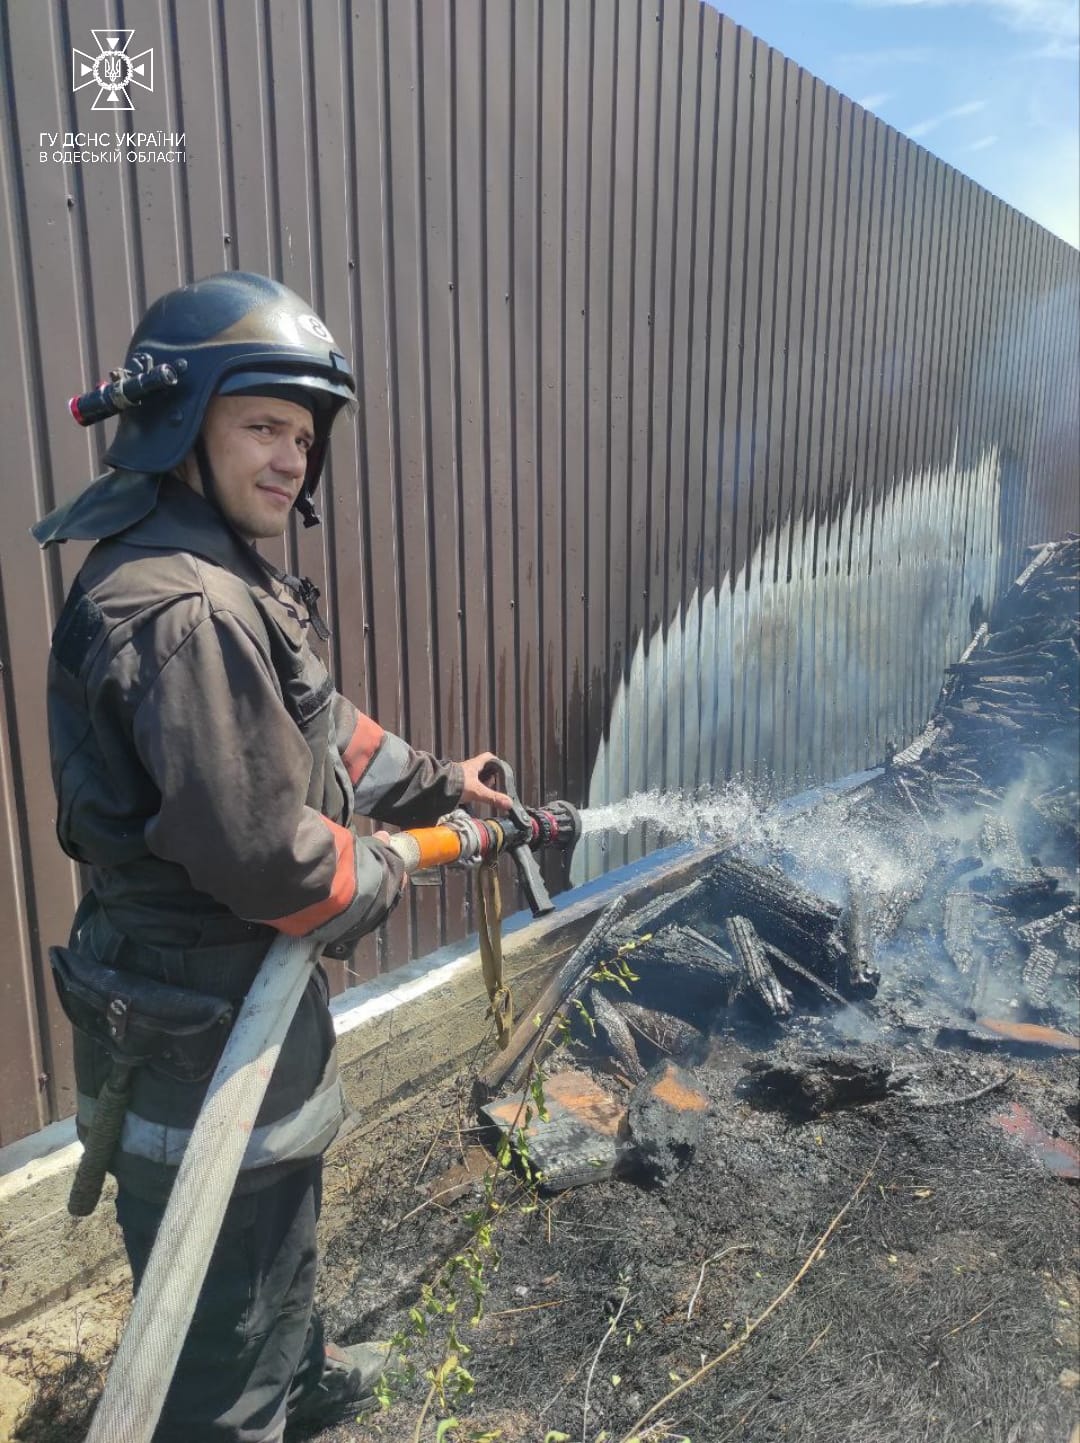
pixel 475 790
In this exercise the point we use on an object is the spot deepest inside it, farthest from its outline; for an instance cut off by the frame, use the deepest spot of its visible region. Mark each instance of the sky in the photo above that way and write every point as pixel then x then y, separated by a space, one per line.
pixel 990 86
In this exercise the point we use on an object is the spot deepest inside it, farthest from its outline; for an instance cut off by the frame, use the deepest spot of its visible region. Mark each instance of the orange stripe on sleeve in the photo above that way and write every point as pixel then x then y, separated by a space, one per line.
pixel 342 888
pixel 363 744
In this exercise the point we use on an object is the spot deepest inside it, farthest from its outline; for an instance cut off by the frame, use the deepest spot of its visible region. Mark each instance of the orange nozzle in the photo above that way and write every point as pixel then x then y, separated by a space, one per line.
pixel 439 846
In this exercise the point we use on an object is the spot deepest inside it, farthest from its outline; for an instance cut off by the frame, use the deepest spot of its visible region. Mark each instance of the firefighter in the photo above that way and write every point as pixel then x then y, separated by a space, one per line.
pixel 207 774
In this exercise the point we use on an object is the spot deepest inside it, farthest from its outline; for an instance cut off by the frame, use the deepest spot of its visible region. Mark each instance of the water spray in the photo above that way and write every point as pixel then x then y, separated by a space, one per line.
pixel 727 813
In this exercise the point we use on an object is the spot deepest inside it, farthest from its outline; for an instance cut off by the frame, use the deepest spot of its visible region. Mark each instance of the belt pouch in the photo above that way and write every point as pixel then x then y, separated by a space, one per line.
pixel 140 1021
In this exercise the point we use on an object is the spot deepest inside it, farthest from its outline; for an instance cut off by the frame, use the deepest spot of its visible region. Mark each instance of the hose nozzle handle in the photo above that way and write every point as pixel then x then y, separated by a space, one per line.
pixel 501 774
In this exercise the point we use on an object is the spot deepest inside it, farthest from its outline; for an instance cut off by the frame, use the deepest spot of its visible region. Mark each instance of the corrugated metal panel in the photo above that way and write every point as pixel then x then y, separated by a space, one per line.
pixel 698 405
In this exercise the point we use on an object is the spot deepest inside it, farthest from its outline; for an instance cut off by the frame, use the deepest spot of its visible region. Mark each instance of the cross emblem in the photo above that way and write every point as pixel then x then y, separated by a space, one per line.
pixel 112 70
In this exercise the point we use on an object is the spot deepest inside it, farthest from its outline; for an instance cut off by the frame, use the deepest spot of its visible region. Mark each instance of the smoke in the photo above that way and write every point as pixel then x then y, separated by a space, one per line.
pixel 959 862
pixel 905 862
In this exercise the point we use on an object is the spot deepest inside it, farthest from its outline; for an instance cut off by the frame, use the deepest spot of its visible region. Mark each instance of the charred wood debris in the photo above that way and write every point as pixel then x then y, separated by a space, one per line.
pixel 975 923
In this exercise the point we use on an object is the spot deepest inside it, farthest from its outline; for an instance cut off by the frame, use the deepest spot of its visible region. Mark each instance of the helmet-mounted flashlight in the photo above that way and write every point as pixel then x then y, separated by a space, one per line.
pixel 125 388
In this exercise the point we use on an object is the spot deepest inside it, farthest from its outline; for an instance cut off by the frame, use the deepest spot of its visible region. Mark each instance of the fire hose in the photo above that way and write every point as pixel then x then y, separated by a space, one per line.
pixel 146 1358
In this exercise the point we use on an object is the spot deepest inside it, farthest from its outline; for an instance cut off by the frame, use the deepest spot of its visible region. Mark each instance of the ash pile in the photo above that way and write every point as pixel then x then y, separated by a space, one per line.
pixel 985 807
pixel 637 1004
pixel 936 905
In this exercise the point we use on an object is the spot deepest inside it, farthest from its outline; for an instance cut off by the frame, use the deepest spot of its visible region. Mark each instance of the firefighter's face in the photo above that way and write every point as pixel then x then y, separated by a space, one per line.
pixel 258 448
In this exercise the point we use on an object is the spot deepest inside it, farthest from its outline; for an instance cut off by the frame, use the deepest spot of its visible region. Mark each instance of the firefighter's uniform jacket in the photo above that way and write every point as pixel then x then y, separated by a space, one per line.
pixel 206 773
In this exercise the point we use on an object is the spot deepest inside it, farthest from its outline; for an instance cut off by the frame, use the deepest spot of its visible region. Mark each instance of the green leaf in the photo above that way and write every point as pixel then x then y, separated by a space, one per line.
pixel 445 1427
pixel 554 1436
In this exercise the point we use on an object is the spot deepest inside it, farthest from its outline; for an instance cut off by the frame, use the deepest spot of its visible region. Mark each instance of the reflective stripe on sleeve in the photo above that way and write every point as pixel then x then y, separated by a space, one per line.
pixel 389 765
pixel 363 744
pixel 342 888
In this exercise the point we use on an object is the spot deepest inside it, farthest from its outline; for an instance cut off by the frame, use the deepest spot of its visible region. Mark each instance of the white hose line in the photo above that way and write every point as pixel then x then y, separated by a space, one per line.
pixel 161 1315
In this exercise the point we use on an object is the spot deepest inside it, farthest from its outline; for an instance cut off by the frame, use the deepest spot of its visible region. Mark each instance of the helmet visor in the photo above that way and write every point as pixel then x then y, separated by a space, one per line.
pixel 319 393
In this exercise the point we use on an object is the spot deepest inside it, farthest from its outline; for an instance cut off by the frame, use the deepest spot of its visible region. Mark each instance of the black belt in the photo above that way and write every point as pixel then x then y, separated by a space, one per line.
pixel 224 968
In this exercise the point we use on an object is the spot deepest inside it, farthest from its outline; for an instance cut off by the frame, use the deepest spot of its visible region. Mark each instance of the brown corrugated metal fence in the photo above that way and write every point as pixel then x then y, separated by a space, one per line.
pixel 698 405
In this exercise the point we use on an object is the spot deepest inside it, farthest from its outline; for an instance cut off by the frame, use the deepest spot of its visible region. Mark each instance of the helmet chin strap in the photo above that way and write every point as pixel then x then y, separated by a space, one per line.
pixel 306 507
pixel 301 586
pixel 206 477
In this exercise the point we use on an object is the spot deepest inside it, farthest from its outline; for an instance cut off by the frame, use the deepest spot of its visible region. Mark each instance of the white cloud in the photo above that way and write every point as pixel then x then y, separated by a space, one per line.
pixel 982 144
pixel 888 57
pixel 956 112
pixel 1056 49
pixel 875 101
pixel 1059 18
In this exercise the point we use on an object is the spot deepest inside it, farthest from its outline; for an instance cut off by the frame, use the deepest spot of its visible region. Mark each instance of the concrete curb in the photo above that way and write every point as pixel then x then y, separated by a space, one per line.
pixel 396 1035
